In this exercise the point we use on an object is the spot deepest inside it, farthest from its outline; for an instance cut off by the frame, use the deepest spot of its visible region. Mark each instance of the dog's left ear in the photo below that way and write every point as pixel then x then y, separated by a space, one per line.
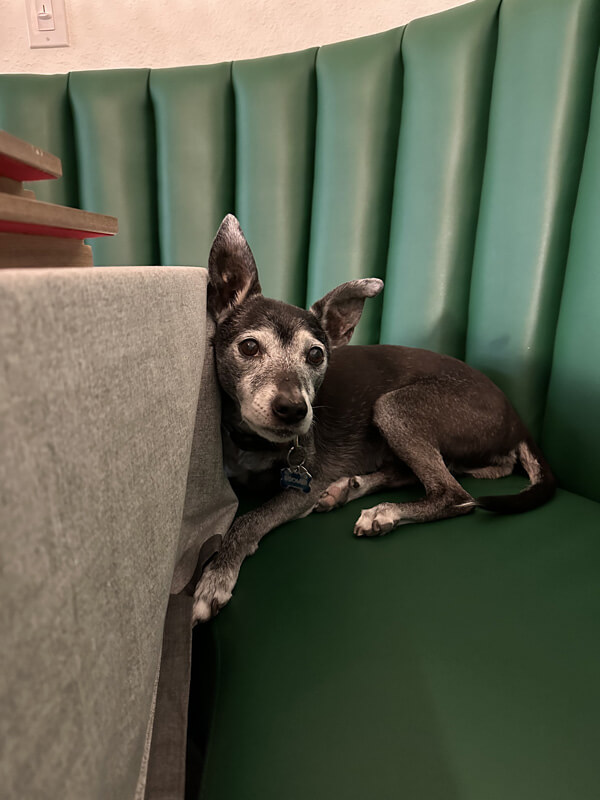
pixel 232 270
pixel 339 312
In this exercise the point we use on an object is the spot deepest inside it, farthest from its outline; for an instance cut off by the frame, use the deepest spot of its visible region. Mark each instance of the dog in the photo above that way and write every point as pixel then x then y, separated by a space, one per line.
pixel 337 422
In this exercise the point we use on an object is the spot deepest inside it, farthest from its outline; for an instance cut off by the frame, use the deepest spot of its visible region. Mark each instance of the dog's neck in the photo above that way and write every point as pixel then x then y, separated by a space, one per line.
pixel 246 440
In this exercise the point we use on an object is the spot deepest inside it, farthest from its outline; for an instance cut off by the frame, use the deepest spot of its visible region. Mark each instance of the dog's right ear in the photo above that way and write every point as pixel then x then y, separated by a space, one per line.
pixel 232 270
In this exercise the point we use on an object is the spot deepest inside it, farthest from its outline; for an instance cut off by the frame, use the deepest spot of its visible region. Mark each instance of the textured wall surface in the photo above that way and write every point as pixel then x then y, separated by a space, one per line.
pixel 169 33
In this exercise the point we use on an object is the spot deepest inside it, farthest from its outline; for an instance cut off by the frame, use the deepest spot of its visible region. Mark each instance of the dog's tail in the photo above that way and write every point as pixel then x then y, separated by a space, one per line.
pixel 540 490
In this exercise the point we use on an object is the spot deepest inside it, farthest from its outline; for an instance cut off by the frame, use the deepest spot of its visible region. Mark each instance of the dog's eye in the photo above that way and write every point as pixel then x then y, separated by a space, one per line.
pixel 315 356
pixel 249 347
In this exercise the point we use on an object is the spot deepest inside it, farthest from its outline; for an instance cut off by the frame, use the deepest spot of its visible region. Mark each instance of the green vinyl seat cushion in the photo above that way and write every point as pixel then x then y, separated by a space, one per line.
pixel 452 660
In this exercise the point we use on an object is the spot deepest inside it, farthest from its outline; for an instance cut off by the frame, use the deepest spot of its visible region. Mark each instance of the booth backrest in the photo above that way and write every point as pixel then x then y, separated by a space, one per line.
pixel 458 158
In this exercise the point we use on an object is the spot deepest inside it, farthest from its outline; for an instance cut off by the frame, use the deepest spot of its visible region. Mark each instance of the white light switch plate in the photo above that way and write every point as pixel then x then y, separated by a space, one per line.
pixel 44 30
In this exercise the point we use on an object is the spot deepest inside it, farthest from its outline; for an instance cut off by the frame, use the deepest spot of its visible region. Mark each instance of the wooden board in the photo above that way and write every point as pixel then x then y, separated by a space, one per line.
pixel 42 251
pixel 8 186
pixel 21 161
pixel 22 215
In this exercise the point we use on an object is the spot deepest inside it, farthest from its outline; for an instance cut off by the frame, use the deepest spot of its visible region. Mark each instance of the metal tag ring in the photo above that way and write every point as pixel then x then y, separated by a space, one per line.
pixel 298 451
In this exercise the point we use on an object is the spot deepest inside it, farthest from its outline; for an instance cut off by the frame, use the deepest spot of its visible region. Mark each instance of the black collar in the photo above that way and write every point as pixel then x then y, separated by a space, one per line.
pixel 254 442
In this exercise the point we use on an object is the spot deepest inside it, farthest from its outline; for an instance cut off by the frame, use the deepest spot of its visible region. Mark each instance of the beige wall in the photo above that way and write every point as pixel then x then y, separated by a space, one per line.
pixel 164 33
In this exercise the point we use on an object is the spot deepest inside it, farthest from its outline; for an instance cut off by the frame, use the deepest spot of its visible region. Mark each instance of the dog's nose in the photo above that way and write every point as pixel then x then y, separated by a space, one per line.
pixel 289 409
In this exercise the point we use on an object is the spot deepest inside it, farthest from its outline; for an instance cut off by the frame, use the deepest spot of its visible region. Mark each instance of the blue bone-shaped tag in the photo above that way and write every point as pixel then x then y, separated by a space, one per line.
pixel 296 478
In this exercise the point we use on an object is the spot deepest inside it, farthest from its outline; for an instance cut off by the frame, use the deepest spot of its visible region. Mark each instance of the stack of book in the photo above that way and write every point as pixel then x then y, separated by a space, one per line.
pixel 36 234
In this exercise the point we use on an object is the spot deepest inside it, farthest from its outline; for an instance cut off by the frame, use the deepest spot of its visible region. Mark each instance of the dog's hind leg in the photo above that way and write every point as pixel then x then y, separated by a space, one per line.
pixel 499 468
pixel 346 489
pixel 439 503
pixel 407 419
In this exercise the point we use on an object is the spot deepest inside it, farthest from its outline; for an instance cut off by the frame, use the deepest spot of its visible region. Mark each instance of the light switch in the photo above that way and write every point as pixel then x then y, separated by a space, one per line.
pixel 47 23
pixel 45 15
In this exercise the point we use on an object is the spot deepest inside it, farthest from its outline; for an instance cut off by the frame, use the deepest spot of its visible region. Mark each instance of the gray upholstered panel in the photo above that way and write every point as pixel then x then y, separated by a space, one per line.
pixel 100 375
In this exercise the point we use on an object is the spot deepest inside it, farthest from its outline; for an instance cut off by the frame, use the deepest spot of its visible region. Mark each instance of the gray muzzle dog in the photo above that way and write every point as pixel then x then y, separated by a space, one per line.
pixel 333 423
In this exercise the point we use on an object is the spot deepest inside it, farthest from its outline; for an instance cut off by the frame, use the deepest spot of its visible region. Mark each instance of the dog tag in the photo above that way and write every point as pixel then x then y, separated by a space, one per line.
pixel 295 475
pixel 296 478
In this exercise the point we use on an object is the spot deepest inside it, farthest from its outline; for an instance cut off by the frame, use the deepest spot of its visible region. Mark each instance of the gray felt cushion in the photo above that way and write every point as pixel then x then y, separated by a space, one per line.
pixel 101 372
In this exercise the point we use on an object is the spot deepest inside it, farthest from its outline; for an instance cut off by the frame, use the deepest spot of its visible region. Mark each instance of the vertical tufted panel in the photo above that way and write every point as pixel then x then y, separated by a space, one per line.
pixel 359 95
pixel 195 142
pixel 540 106
pixel 275 129
pixel 115 145
pixel 572 423
pixel 448 63
pixel 36 108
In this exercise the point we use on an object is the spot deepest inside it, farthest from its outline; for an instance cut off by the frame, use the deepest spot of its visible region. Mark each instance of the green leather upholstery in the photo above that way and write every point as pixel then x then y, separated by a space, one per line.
pixel 36 108
pixel 572 423
pixel 116 154
pixel 195 154
pixel 459 159
pixel 360 91
pixel 275 121
pixel 547 52
pixel 453 661
pixel 448 61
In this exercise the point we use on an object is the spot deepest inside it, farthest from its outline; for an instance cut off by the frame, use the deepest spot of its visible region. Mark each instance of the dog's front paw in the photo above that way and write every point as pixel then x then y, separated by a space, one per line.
pixel 337 494
pixel 212 592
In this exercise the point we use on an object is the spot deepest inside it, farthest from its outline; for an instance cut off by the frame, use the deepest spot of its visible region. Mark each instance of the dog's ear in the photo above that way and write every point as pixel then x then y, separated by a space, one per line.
pixel 339 311
pixel 232 270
